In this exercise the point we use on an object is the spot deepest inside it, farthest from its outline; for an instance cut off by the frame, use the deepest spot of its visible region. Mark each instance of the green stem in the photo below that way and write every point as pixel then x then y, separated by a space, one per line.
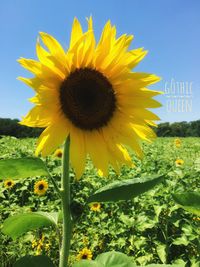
pixel 55 185
pixel 65 199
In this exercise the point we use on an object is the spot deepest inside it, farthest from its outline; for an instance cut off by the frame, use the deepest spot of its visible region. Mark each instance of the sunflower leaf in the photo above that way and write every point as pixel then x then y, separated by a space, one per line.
pixel 108 259
pixel 86 263
pixel 19 224
pixel 114 259
pixel 189 201
pixel 22 168
pixel 125 190
pixel 34 261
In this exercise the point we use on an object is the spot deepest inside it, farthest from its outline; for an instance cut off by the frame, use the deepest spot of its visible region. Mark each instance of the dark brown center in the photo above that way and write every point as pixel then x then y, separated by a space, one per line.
pixel 9 183
pixel 87 99
pixel 84 256
pixel 41 187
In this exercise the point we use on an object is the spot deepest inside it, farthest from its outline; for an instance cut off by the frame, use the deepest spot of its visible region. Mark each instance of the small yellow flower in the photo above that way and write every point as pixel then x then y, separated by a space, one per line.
pixel 85 254
pixel 39 250
pixel 95 206
pixel 58 153
pixel 40 187
pixel 47 246
pixel 179 162
pixel 9 183
pixel 196 219
pixel 177 142
pixel 34 243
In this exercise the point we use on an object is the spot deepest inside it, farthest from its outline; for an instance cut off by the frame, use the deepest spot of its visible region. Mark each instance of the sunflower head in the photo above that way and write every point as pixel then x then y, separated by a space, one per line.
pixel 40 187
pixel 179 162
pixel 177 142
pixel 84 254
pixel 91 93
pixel 95 206
pixel 9 183
pixel 58 153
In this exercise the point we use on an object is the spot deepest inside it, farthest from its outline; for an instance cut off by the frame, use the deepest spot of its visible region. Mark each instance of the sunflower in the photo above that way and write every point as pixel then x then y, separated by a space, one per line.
pixel 85 254
pixel 179 162
pixel 95 206
pixel 90 93
pixel 40 187
pixel 177 142
pixel 9 183
pixel 58 153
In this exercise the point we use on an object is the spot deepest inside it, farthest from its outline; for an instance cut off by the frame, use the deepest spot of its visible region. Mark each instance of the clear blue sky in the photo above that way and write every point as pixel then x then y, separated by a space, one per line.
pixel 169 29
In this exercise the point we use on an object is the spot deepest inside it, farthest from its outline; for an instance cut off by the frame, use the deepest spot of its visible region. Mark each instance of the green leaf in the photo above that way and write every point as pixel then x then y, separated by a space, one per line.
pixel 114 259
pixel 108 259
pixel 18 225
pixel 181 241
pixel 86 263
pixel 164 265
pixel 22 168
pixel 34 261
pixel 189 201
pixel 124 190
pixel 161 250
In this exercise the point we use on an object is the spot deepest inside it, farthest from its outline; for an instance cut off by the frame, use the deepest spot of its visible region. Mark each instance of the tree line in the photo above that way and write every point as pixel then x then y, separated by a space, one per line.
pixel 12 127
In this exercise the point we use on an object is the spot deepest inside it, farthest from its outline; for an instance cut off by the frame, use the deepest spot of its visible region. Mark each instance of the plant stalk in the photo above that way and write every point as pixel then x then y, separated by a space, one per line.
pixel 65 200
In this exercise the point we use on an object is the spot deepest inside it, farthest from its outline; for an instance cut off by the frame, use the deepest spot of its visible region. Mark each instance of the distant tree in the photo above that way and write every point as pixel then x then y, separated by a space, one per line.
pixel 12 127
pixel 163 129
pixel 180 129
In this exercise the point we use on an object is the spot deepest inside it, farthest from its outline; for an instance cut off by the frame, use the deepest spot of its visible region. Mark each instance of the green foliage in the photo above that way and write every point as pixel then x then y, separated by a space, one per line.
pixel 151 228
pixel 125 190
pixel 18 225
pixel 34 261
pixel 22 168
pixel 181 129
pixel 190 201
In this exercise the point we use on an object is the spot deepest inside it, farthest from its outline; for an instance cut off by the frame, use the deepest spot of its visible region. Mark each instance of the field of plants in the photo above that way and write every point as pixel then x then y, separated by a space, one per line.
pixel 151 228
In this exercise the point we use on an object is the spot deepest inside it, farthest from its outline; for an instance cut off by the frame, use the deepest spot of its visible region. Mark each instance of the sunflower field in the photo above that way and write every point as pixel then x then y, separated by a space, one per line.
pixel 151 228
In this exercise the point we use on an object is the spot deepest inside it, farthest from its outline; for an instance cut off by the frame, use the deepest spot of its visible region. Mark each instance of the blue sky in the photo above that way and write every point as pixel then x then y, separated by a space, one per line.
pixel 168 29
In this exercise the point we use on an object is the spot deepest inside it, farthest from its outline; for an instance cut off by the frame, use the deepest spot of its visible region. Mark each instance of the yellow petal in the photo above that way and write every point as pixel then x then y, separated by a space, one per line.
pixel 134 57
pixel 144 132
pixel 34 83
pixel 40 70
pixel 77 151
pixel 105 43
pixel 144 78
pixel 51 61
pixel 96 148
pixel 37 117
pixel 52 137
pixel 139 102
pixel 54 47
pixel 89 46
pixel 141 113
pixel 31 65
pixel 114 147
pixel 122 129
pixel 76 32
